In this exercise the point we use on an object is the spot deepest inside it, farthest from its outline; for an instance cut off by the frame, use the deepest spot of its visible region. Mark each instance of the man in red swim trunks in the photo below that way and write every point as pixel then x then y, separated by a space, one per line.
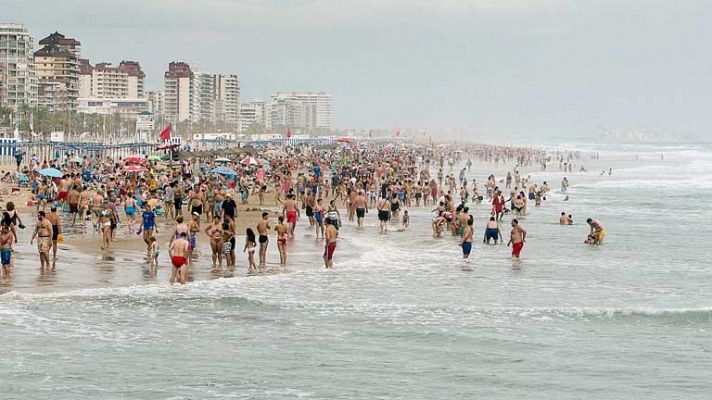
pixel 291 212
pixel 178 252
pixel 517 239
pixel 330 233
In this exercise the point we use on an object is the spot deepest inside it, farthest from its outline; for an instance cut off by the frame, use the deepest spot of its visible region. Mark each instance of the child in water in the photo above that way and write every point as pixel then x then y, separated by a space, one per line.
pixel 406 220
pixel 154 250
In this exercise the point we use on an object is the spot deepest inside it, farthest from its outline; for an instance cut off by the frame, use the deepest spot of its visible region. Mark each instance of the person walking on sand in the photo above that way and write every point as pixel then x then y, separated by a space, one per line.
pixel 516 239
pixel 282 231
pixel 291 212
pixel 43 233
pixel 53 218
pixel 263 230
pixel 178 252
pixel 148 226
pixel 6 241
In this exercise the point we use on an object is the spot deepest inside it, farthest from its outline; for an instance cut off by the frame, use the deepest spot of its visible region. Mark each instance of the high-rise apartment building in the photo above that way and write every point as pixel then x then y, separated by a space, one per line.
pixel 199 97
pixel 227 99
pixel 57 67
pixel 18 80
pixel 155 103
pixel 307 111
pixel 254 115
pixel 104 81
pixel 177 92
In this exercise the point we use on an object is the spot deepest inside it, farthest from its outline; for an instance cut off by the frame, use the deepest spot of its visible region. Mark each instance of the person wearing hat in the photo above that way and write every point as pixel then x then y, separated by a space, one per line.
pixel 229 206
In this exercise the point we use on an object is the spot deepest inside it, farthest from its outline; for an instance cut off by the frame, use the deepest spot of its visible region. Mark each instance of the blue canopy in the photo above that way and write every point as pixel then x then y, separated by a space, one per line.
pixel 223 171
pixel 51 172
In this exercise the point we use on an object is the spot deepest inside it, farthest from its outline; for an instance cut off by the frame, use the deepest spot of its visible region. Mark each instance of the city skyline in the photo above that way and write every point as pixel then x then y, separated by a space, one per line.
pixel 567 69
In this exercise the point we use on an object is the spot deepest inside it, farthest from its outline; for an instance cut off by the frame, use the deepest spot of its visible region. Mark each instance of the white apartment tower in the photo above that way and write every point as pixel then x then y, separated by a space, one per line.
pixel 307 111
pixel 104 81
pixel 18 80
pixel 227 99
pixel 254 115
pixel 199 97
pixel 177 92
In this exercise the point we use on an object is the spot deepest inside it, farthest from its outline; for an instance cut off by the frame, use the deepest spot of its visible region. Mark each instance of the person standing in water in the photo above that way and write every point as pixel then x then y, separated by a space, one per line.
pixel 597 230
pixel 56 231
pixel 282 231
pixel 250 244
pixel 361 207
pixel 331 236
pixel 517 238
pixel 492 231
pixel 384 213
pixel 466 241
pixel 178 252
pixel 43 233
pixel 291 211
pixel 262 230
pixel 6 241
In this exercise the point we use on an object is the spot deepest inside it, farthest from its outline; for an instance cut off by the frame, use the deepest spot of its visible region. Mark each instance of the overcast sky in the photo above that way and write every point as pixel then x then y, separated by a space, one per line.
pixel 500 66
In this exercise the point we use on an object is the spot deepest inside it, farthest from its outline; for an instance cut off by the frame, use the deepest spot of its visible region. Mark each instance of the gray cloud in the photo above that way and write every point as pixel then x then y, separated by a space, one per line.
pixel 512 67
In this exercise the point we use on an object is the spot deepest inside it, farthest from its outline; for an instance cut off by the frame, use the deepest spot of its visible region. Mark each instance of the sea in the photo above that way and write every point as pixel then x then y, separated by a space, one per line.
pixel 403 316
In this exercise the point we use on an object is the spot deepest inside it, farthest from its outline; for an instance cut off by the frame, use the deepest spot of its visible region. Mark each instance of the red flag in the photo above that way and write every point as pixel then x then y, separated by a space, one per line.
pixel 166 133
pixel 289 133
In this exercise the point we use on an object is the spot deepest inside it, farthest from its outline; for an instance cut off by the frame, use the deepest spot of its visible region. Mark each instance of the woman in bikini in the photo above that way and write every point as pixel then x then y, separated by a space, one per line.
pixel 282 230
pixel 250 245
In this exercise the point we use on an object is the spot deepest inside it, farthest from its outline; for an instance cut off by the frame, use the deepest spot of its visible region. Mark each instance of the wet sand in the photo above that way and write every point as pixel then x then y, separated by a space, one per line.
pixel 82 265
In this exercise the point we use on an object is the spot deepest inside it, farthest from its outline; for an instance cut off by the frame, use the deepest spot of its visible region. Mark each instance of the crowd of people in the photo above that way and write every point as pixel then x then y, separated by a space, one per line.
pixel 139 194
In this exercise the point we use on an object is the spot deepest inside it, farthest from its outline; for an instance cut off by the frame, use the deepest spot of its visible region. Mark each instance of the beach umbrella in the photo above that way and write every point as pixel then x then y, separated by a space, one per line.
pixel 223 171
pixel 134 168
pixel 77 160
pixel 136 159
pixel 51 172
pixel 345 139
pixel 223 160
pixel 249 161
pixel 154 158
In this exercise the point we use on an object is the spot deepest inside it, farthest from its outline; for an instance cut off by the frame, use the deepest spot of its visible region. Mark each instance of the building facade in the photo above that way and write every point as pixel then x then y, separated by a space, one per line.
pixel 309 112
pixel 18 79
pixel 57 68
pixel 200 97
pixel 227 99
pixel 177 92
pixel 254 116
pixel 126 107
pixel 104 81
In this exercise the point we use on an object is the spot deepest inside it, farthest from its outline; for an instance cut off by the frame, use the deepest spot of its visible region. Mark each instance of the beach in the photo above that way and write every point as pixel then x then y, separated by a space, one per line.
pixel 401 316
